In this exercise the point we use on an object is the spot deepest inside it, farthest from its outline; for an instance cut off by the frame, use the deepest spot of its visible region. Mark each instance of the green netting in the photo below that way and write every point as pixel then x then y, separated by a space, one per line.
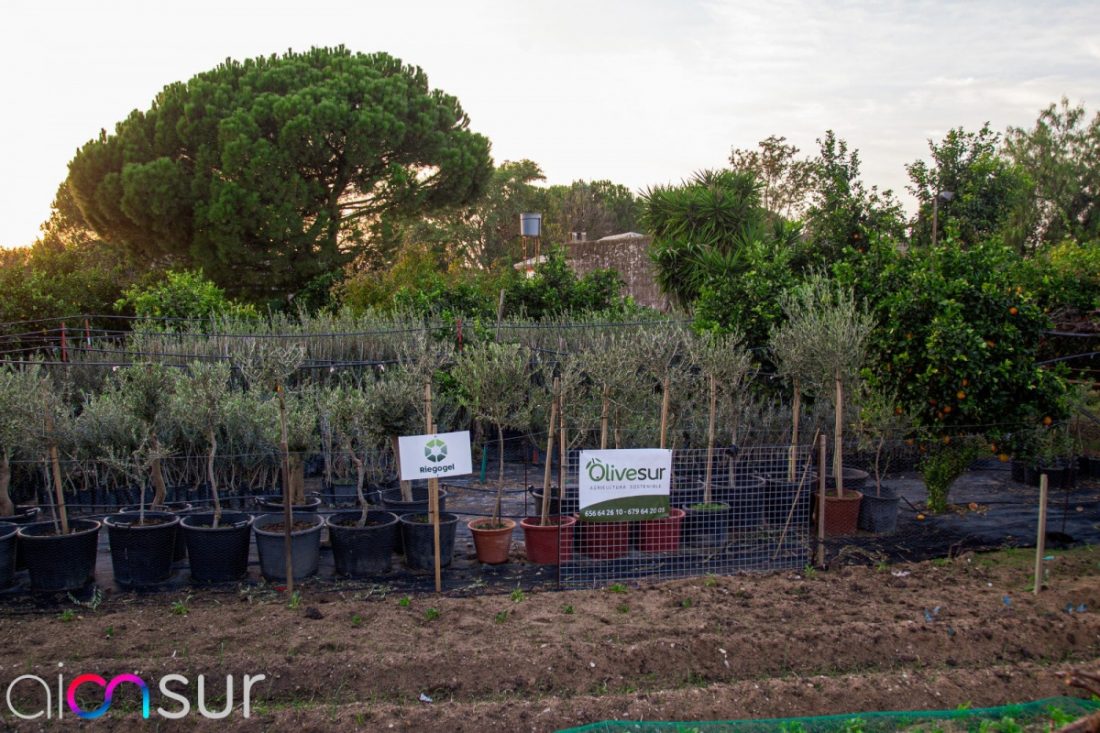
pixel 1030 716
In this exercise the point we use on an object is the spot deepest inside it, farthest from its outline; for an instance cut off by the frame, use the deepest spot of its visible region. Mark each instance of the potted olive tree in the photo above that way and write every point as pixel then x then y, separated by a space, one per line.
pixel 724 364
pixel 217 541
pixel 494 383
pixel 288 542
pixel 17 410
pixel 834 330
pixel 362 541
pixel 881 427
pixel 60 555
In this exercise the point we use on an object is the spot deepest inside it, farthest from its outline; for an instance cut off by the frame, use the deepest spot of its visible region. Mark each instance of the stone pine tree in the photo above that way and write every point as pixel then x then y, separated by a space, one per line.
pixel 269 173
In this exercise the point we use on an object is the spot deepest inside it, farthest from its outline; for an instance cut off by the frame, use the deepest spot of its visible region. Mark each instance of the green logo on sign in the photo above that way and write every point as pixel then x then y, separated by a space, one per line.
pixel 435 450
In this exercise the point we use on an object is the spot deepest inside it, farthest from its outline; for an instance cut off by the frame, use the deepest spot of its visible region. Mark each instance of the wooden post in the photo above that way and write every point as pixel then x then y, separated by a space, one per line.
pixel 548 470
pixel 562 449
pixel 838 438
pixel 1041 540
pixel 433 492
pixel 605 406
pixel 55 466
pixel 64 347
pixel 710 438
pixel 796 416
pixel 821 502
pixel 500 314
pixel 666 398
pixel 288 514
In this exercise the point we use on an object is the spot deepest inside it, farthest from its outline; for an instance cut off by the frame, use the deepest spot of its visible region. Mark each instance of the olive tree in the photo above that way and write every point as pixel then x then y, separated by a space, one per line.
pixel 494 382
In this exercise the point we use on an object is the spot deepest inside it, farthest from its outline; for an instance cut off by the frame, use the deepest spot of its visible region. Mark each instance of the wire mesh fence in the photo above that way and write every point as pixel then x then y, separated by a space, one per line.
pixel 731 510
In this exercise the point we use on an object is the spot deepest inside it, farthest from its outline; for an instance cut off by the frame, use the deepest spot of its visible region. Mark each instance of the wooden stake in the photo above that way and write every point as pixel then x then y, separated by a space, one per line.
pixel 796 416
pixel 605 407
pixel 794 504
pixel 666 398
pixel 562 449
pixel 710 438
pixel 548 470
pixel 288 514
pixel 433 492
pixel 838 438
pixel 55 467
pixel 500 314
pixel 1041 540
pixel 821 502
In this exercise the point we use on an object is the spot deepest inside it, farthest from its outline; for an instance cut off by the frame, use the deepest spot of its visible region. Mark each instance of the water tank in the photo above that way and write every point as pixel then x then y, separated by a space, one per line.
pixel 530 224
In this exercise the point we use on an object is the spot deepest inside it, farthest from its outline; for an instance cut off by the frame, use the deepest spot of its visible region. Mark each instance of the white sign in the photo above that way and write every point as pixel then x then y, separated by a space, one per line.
pixel 624 485
pixel 435 456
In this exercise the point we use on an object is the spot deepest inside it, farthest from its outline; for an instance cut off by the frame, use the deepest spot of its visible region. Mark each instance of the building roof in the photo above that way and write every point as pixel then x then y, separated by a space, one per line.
pixel 621 237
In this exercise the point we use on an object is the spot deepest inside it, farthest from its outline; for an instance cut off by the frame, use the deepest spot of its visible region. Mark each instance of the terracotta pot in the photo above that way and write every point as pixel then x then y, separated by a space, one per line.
pixel 492 543
pixel 842 514
pixel 604 540
pixel 549 544
pixel 661 535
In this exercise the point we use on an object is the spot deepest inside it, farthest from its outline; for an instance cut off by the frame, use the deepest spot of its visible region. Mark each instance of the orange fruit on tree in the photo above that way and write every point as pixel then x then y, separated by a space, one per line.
pixel 946 439
pixel 947 409
pixel 1048 421
pixel 920 517
pixel 960 395
pixel 1004 458
pixel 1013 311
pixel 898 411
pixel 965 382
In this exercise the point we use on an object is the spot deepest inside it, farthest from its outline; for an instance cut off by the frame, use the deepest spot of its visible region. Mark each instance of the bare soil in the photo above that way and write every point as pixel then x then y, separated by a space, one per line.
pixel 930 635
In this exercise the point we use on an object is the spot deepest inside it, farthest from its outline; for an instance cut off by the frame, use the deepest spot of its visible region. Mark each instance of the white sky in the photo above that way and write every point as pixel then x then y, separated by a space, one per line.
pixel 639 92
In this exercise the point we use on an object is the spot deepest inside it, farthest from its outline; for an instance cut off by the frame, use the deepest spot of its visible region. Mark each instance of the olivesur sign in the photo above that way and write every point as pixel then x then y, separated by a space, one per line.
pixel 623 485
pixel 435 456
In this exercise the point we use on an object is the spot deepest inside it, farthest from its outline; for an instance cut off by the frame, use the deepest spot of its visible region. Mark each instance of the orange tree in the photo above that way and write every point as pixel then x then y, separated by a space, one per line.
pixel 958 340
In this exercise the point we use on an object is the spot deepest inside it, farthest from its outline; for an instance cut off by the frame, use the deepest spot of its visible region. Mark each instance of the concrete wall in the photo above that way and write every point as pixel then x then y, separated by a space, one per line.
pixel 629 255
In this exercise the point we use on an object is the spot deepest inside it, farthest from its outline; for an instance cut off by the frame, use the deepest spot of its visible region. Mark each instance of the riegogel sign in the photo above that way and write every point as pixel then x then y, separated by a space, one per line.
pixel 435 456
pixel 623 485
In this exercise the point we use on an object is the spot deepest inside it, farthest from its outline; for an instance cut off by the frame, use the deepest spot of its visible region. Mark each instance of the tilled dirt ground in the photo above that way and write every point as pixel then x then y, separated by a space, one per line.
pixel 928 635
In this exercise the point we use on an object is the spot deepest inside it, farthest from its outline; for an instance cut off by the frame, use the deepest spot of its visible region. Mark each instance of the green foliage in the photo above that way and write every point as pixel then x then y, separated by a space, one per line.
pixel 431 614
pixel 1059 155
pixel 989 191
pixel 787 180
pixel 941 466
pixel 181 295
pixel 269 172
pixel 404 602
pixel 555 289
pixel 844 213
pixel 1063 276
pixel 518 596
pixel 958 341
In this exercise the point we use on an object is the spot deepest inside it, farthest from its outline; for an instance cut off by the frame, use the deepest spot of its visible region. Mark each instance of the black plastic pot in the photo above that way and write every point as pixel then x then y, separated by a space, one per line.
pixel 748 500
pixel 305 546
pixel 419 540
pixel 780 495
pixel 1019 471
pixel 854 479
pixel 362 551
pixel 141 554
pixel 217 554
pixel 571 504
pixel 273 504
pixel 706 525
pixel 879 514
pixel 343 492
pixel 179 508
pixel 23 515
pixel 60 562
pixel 7 553
pixel 392 501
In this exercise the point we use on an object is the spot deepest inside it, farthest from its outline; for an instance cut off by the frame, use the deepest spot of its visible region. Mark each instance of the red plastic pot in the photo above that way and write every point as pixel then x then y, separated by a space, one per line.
pixel 550 544
pixel 492 543
pixel 661 535
pixel 842 514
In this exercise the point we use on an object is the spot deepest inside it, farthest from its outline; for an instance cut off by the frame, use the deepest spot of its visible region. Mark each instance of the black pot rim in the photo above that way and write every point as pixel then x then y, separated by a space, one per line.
pixel 442 493
pixel 8 529
pixel 257 524
pixel 26 532
pixel 186 507
pixel 312 500
pixel 113 523
pixel 330 520
pixel 22 512
pixel 245 521
pixel 444 518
